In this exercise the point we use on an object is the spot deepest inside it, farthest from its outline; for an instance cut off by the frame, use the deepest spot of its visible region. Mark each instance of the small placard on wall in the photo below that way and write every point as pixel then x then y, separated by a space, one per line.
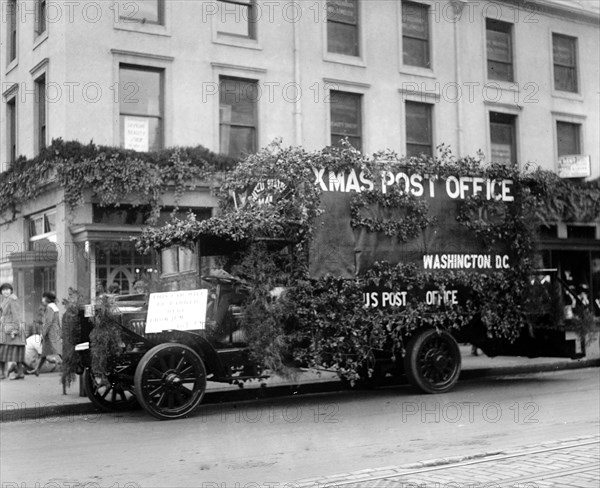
pixel 177 310
pixel 136 134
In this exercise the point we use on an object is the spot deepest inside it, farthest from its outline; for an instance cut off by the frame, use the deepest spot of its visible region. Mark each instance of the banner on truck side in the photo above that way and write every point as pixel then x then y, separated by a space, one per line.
pixel 177 310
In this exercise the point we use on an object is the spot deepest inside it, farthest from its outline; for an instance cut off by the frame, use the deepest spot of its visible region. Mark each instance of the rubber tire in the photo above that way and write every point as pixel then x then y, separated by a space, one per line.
pixel 412 368
pixel 139 380
pixel 105 405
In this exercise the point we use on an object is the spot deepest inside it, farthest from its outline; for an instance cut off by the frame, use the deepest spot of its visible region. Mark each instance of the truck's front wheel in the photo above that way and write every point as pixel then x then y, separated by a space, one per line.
pixel 432 361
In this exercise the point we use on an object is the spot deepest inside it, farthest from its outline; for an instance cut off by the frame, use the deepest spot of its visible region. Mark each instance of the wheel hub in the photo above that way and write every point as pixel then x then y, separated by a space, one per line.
pixel 172 379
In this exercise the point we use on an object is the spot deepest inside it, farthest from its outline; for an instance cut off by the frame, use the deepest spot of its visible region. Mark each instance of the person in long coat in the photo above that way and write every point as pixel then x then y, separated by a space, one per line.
pixel 12 332
pixel 50 329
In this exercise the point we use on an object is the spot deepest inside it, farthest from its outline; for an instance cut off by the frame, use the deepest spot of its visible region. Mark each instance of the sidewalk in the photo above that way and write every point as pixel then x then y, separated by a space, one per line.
pixel 36 397
pixel 565 463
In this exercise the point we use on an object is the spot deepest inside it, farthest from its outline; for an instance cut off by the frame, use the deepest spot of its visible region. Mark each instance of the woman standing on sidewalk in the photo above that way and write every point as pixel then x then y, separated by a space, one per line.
pixel 50 329
pixel 12 332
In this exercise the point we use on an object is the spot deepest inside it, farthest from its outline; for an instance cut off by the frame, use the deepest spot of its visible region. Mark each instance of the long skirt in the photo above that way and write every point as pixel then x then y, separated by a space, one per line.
pixel 12 353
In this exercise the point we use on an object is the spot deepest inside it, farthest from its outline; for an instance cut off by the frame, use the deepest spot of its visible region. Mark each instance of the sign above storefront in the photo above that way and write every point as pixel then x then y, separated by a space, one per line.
pixel 576 166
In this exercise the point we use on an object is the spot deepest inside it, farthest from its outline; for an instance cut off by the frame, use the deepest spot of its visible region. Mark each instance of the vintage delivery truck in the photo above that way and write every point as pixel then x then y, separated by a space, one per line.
pixel 371 266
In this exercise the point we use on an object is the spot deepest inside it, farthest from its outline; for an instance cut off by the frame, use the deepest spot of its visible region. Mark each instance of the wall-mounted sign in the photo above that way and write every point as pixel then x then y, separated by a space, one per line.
pixel 136 134
pixel 576 166
pixel 177 310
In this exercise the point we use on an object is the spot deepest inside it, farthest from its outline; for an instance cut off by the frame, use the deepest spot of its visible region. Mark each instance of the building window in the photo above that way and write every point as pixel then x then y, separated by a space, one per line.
pixel 178 260
pixel 40 17
pixel 346 118
pixel 342 27
pixel 499 50
pixel 564 52
pixel 11 136
pixel 568 139
pixel 237 116
pixel 142 11
pixel 41 115
pixel 141 107
pixel 419 133
pixel 42 230
pixel 11 22
pixel 237 18
pixel 503 138
pixel 415 35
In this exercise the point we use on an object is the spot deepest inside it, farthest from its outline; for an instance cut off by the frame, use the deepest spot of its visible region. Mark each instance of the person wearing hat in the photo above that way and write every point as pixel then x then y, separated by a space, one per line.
pixel 12 332
pixel 50 330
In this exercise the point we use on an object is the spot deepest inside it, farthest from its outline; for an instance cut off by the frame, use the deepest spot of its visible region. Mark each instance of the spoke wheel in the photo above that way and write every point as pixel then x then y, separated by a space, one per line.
pixel 170 381
pixel 432 362
pixel 110 393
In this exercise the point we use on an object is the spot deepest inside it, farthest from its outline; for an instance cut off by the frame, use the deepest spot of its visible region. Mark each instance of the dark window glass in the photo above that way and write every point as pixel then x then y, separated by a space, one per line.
pixel 237 18
pixel 342 27
pixel 237 116
pixel 419 138
pixel 503 138
pixel 568 138
pixel 499 50
pixel 141 108
pixel 11 12
pixel 346 119
pixel 564 51
pixel 40 20
pixel 11 106
pixel 40 88
pixel 143 11
pixel 415 34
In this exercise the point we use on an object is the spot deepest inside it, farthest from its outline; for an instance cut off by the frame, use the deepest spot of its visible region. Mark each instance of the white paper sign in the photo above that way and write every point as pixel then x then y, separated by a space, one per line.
pixel 576 166
pixel 136 134
pixel 177 310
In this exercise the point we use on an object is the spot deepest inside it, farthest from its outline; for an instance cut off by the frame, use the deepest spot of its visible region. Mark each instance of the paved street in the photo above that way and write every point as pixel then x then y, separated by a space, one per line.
pixel 274 442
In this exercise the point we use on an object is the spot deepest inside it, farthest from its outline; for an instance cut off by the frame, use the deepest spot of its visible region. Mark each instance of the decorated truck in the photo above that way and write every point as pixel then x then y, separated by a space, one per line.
pixel 372 266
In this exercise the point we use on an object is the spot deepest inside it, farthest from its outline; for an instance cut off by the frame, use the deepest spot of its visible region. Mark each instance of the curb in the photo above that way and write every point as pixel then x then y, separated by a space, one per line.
pixel 12 412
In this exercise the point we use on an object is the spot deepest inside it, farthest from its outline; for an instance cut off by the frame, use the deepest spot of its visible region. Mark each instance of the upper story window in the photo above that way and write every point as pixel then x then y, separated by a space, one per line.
pixel 11 136
pixel 342 27
pixel 40 112
pixel 41 229
pixel 503 138
pixel 564 53
pixel 415 35
pixel 568 138
pixel 40 17
pixel 237 18
pixel 499 50
pixel 11 30
pixel 143 11
pixel 238 116
pixel 419 133
pixel 141 107
pixel 346 118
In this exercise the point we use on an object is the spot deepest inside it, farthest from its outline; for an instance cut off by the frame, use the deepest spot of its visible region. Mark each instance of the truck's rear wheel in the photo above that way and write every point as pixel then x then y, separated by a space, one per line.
pixel 432 361
pixel 170 381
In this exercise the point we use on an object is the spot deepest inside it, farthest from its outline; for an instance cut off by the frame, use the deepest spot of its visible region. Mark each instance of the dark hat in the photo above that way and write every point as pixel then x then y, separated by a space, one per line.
pixel 6 286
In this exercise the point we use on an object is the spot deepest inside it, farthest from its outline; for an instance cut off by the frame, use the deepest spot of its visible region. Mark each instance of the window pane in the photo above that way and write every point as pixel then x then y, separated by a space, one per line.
pixel 141 10
pixel 502 135
pixel 187 259
pixel 415 52
pixel 498 46
pixel 41 16
pixel 140 91
pixel 499 71
pixel 415 22
pixel 36 226
pixel 345 11
pixel 169 260
pixel 241 141
pixel 418 123
pixel 141 133
pixel 568 138
pixel 236 18
pixel 238 116
pixel 50 222
pixel 342 38
pixel 563 49
pixel 346 117
pixel 565 79
pixel 417 149
pixel 12 130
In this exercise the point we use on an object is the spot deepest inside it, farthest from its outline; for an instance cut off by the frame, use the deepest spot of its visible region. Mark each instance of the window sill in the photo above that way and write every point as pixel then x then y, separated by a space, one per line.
pixel 417 71
pixel 344 59
pixel 139 28
pixel 233 41
pixel 12 65
pixel 571 96
pixel 39 39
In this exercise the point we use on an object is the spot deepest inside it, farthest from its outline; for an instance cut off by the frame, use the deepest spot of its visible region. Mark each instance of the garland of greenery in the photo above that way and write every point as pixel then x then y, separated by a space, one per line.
pixel 114 175
pixel 323 322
